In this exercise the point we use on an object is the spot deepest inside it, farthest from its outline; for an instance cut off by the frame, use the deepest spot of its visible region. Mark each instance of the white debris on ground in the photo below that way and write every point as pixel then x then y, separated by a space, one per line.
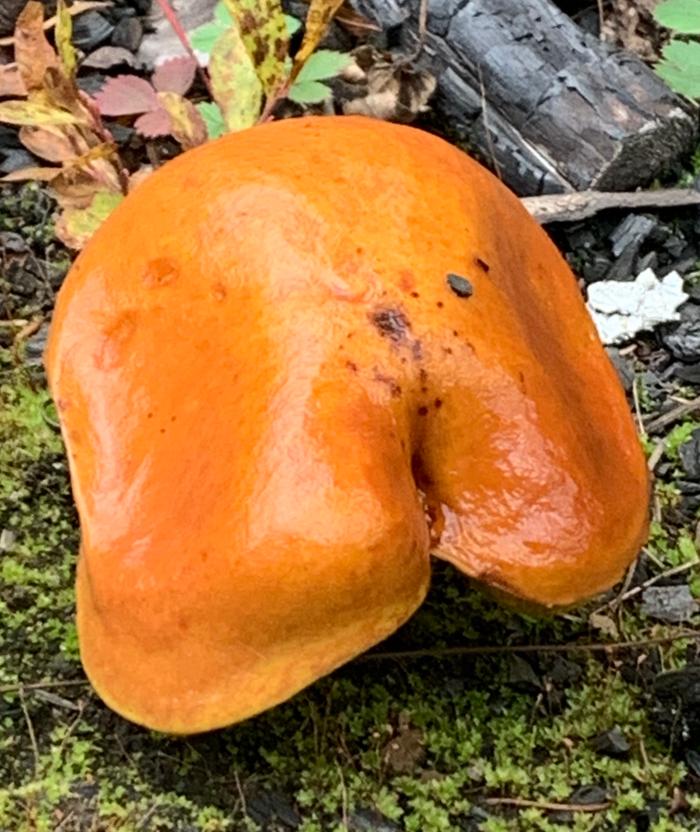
pixel 621 309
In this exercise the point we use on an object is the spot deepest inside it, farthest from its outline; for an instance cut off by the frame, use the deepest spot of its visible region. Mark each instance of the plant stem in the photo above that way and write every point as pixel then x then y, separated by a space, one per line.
pixel 179 30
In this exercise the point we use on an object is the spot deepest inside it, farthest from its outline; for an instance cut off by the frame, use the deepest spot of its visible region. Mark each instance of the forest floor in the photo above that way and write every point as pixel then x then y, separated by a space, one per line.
pixel 538 724
pixel 472 717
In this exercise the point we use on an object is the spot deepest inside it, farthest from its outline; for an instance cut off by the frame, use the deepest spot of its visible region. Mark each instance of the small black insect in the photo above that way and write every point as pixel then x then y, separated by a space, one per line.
pixel 460 285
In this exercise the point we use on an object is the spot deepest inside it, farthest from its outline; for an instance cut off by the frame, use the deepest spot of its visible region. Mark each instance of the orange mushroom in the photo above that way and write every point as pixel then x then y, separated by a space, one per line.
pixel 290 365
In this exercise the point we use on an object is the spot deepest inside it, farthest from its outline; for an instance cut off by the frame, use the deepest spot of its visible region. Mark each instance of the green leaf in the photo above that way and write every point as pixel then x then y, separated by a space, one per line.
pixel 222 15
pixel 76 225
pixel 293 25
pixel 323 64
pixel 204 37
pixel 308 92
pixel 34 115
pixel 680 67
pixel 213 118
pixel 681 15
pixel 235 83
pixel 264 32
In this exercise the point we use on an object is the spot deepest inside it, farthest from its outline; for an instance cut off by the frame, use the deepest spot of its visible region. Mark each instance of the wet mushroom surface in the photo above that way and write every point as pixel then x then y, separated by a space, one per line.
pixel 259 500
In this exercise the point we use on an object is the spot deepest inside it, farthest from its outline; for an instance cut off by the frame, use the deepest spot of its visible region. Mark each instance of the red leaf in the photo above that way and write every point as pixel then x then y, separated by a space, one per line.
pixel 175 75
pixel 126 95
pixel 154 124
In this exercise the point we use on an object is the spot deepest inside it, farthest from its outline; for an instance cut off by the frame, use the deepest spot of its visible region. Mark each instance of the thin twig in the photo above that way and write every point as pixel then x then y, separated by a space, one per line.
pixel 505 649
pixel 630 593
pixel 522 803
pixel 241 794
pixel 30 729
pixel 638 408
pixel 656 454
pixel 179 30
pixel 601 18
pixel 584 204
pixel 43 685
pixel 422 31
pixel 672 416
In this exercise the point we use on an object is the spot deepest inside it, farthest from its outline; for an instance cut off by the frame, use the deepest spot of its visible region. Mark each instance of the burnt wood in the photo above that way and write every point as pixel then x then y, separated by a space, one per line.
pixel 547 105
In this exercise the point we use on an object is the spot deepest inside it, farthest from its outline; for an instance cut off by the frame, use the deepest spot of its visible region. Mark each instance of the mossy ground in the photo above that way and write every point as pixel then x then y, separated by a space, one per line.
pixel 424 743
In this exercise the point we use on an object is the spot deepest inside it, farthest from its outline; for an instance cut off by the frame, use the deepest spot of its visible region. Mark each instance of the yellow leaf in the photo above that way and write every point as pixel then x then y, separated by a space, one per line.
pixel 319 16
pixel 235 83
pixel 64 35
pixel 76 226
pixel 34 114
pixel 33 53
pixel 266 38
pixel 187 126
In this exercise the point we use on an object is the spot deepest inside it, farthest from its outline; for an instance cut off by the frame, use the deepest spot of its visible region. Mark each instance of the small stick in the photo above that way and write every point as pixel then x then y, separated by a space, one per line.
pixel 504 649
pixel 43 685
pixel 30 729
pixel 672 416
pixel 179 30
pixel 521 802
pixel 630 593
pixel 584 204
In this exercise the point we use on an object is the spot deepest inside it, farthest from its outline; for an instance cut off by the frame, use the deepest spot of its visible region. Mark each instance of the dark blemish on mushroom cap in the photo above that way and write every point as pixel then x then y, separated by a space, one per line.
pixel 460 285
pixel 422 410
pixel 391 323
pixel 482 264
pixel 391 383
pixel 438 404
pixel 351 366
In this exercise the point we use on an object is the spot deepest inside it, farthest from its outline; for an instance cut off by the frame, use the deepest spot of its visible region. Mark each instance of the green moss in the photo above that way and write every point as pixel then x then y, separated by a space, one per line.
pixel 482 728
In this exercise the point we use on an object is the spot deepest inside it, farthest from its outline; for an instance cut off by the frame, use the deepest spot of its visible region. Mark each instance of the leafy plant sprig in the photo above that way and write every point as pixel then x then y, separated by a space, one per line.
pixel 249 72
pixel 680 62
pixel 61 125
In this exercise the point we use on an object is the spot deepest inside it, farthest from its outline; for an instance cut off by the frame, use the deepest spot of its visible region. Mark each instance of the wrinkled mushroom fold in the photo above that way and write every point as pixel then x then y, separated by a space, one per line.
pixel 291 365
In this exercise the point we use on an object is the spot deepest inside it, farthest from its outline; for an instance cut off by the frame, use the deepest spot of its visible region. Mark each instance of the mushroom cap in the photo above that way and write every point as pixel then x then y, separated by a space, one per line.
pixel 291 364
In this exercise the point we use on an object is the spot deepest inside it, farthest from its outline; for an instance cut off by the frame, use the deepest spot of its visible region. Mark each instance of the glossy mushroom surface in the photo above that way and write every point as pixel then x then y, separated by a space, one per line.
pixel 293 363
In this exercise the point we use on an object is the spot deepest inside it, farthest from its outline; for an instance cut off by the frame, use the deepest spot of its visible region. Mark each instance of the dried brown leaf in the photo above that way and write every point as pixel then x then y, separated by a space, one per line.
pixel 76 226
pixel 54 144
pixel 11 83
pixel 106 57
pixel 395 91
pixel 33 174
pixel 62 92
pixel 76 185
pixel 354 22
pixel 33 52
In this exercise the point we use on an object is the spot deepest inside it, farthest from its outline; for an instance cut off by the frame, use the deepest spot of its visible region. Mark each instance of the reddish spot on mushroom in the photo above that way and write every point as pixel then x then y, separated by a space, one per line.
pixel 160 272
